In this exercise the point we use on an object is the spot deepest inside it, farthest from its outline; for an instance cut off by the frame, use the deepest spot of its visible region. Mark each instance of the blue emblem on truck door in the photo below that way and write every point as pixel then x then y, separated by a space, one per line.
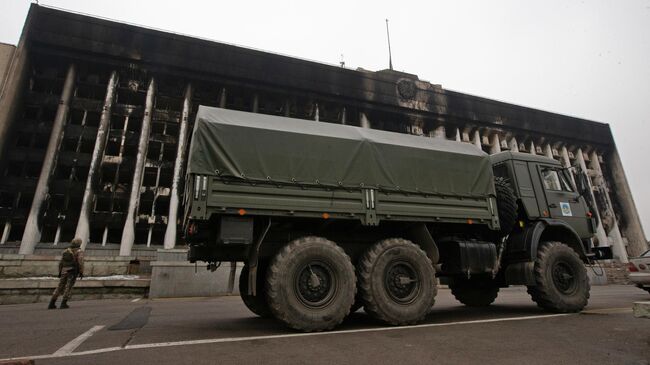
pixel 566 209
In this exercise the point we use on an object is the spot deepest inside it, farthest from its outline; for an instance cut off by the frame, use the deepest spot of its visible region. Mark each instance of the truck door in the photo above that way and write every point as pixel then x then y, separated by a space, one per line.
pixel 563 202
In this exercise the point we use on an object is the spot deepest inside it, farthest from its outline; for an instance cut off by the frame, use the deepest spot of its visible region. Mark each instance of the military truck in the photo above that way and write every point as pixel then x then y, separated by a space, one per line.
pixel 329 218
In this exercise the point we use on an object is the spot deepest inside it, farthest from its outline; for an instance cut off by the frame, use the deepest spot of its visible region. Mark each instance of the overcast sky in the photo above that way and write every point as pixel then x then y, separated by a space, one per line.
pixel 589 59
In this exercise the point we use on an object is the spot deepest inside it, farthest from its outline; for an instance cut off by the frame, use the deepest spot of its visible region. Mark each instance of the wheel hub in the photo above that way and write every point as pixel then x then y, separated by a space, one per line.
pixel 315 284
pixel 564 277
pixel 401 282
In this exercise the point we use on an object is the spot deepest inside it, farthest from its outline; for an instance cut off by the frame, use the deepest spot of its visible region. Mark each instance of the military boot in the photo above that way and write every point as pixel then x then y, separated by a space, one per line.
pixel 64 304
pixel 52 304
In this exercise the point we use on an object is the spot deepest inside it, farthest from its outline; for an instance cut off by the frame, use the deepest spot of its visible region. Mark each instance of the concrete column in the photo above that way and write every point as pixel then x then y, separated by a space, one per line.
pixel 618 246
pixel 105 236
pixel 316 112
pixel 477 139
pixel 172 217
pixel 514 146
pixel 12 89
pixel 222 98
pixel 256 103
pixel 495 144
pixel 531 145
pixel 548 151
pixel 343 116
pixel 564 157
pixel 631 224
pixel 57 235
pixel 440 132
pixel 128 234
pixel 287 108
pixel 83 224
pixel 363 120
pixel 603 241
pixel 32 233
pixel 5 232
pixel 458 136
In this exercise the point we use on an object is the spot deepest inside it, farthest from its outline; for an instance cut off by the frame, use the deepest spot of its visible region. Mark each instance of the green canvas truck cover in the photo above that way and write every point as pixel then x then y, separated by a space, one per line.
pixel 265 148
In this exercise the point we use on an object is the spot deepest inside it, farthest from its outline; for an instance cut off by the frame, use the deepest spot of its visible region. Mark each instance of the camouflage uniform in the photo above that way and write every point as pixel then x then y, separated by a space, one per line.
pixel 70 266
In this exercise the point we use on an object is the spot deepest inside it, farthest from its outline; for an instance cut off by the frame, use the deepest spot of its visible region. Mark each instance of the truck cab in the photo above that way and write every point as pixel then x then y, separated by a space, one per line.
pixel 546 190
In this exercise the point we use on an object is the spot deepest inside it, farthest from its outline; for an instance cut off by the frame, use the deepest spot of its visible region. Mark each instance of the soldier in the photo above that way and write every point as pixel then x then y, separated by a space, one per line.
pixel 70 266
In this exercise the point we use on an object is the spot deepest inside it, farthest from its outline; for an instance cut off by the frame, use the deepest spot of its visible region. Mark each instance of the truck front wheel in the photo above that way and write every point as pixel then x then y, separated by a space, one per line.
pixel 397 282
pixel 310 284
pixel 475 291
pixel 255 303
pixel 561 278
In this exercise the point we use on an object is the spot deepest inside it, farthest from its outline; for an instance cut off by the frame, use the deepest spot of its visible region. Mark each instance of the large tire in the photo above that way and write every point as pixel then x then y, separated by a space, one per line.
pixel 311 284
pixel 397 282
pixel 475 291
pixel 256 303
pixel 506 205
pixel 561 278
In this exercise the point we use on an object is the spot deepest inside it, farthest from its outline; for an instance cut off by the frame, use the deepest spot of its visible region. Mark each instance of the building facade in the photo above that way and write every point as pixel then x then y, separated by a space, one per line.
pixel 95 119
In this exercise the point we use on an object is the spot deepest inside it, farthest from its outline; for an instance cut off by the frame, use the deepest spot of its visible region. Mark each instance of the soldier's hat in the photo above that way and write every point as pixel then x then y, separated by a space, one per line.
pixel 75 243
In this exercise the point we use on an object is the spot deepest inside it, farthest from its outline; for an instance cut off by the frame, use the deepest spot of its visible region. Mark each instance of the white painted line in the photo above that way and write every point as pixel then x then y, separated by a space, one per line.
pixel 136 300
pixel 72 345
pixel 268 337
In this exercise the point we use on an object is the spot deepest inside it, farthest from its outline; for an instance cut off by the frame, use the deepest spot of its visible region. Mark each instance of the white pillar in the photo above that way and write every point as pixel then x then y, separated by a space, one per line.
pixel 83 224
pixel 564 157
pixel 5 232
pixel 32 232
pixel 316 115
pixel 495 144
pixel 128 234
pixel 548 151
pixel 533 151
pixel 364 122
pixel 514 146
pixel 633 231
pixel 343 116
pixel 458 137
pixel 440 132
pixel 256 103
pixel 222 99
pixel 600 231
pixel 618 246
pixel 477 139
pixel 105 236
pixel 172 217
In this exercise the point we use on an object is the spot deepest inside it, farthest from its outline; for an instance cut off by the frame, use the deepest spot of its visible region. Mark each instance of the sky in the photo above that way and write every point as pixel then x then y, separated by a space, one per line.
pixel 589 59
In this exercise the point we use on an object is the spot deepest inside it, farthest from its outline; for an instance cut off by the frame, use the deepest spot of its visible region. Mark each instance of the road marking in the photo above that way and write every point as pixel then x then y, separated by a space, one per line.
pixel 136 300
pixel 608 310
pixel 269 337
pixel 72 345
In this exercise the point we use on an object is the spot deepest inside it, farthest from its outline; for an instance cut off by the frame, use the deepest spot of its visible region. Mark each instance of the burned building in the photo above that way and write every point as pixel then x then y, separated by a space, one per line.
pixel 95 118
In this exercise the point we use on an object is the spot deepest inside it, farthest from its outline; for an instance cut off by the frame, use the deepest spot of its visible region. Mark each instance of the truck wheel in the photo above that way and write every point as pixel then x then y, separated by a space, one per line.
pixel 397 282
pixel 474 292
pixel 506 205
pixel 311 284
pixel 256 303
pixel 562 282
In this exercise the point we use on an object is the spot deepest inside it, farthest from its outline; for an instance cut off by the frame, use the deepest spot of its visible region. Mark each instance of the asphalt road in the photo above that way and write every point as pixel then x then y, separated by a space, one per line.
pixel 221 330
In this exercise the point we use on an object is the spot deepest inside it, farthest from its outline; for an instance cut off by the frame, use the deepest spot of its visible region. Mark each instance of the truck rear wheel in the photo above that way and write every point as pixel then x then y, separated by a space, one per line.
pixel 475 291
pixel 255 303
pixel 562 282
pixel 397 282
pixel 506 205
pixel 311 284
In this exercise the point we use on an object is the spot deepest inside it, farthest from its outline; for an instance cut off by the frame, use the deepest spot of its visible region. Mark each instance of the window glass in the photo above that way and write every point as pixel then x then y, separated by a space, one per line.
pixel 646 254
pixel 551 179
pixel 564 180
